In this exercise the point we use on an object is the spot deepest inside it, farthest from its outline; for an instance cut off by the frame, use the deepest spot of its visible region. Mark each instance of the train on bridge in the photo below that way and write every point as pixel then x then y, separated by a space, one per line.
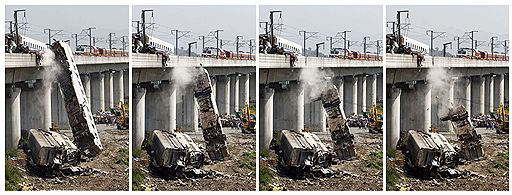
pixel 24 44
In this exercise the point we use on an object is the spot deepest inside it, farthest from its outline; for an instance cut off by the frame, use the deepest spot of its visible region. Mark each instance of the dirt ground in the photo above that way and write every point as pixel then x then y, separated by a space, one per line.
pixel 362 174
pixel 110 175
pixel 231 175
pixel 485 175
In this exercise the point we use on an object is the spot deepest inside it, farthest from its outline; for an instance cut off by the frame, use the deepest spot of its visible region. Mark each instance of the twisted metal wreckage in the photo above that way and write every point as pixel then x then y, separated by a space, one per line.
pixel 429 154
pixel 51 152
pixel 174 154
pixel 301 153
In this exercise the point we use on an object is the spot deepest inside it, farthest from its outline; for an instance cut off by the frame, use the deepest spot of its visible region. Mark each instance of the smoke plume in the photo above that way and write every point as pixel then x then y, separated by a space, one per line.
pixel 315 80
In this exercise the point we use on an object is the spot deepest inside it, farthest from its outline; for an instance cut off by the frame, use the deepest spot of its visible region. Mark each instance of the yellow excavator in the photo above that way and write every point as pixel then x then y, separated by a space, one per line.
pixel 248 118
pixel 502 120
pixel 376 120
pixel 121 112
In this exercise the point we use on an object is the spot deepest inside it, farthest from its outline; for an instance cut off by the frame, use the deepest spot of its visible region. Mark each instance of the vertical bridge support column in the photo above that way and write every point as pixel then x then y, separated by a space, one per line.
pixel 110 89
pixel 354 95
pixel 139 99
pixel 235 93
pixel 172 105
pixel 120 81
pixel 374 90
pixel 13 132
pixel 226 95
pixel 501 82
pixel 451 101
pixel 245 94
pixel 102 91
pixel 394 130
pixel 427 107
pixel 47 106
pixel 491 93
pixel 86 80
pixel 363 93
pixel 267 116
pixel 341 92
pixel 468 95
pixel 300 106
pixel 481 103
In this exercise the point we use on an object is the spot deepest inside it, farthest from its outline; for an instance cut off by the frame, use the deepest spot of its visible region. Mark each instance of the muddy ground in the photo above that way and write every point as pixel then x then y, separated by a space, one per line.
pixel 486 175
pixel 111 168
pixel 362 174
pixel 237 173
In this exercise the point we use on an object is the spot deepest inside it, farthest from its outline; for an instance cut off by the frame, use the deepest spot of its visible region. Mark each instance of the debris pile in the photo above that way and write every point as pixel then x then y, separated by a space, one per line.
pixel 175 153
pixel 469 139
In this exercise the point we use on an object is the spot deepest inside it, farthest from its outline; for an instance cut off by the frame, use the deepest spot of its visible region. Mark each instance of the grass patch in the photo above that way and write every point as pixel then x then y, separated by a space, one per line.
pixel 251 155
pixel 265 153
pixel 391 153
pixel 248 164
pixel 122 156
pixel 137 179
pixel 13 152
pixel 375 160
pixel 265 178
pixel 392 178
pixel 12 176
pixel 502 161
pixel 137 153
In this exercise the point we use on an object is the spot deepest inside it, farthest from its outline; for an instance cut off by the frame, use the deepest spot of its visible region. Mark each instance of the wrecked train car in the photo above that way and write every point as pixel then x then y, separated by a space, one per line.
pixel 216 145
pixel 302 152
pixel 79 113
pixel 340 133
pixel 427 152
pixel 175 152
pixel 51 150
pixel 469 140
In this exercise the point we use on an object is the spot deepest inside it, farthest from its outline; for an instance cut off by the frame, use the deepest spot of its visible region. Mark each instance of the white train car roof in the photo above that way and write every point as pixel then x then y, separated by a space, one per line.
pixel 416 45
pixel 161 44
pixel 289 45
pixel 32 43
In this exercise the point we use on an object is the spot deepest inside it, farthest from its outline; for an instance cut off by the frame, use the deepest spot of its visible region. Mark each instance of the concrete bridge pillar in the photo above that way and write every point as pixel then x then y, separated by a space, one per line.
pixel 171 90
pixel 190 111
pixel 86 82
pixel 47 106
pixel 451 100
pixel 267 116
pixel 110 89
pixel 246 88
pixel 213 80
pixel 139 99
pixel 501 89
pixel 468 95
pixel 299 90
pixel 394 131
pixel 491 93
pixel 120 84
pixel 235 93
pixel 13 126
pixel 102 91
pixel 374 90
pixel 226 92
pixel 427 107
pixel 363 93
pixel 481 102
pixel 339 85
pixel 354 95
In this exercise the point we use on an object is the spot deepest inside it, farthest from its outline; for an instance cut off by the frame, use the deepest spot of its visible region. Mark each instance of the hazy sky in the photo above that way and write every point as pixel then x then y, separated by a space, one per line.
pixel 454 20
pixel 72 19
pixel 327 20
pixel 200 20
